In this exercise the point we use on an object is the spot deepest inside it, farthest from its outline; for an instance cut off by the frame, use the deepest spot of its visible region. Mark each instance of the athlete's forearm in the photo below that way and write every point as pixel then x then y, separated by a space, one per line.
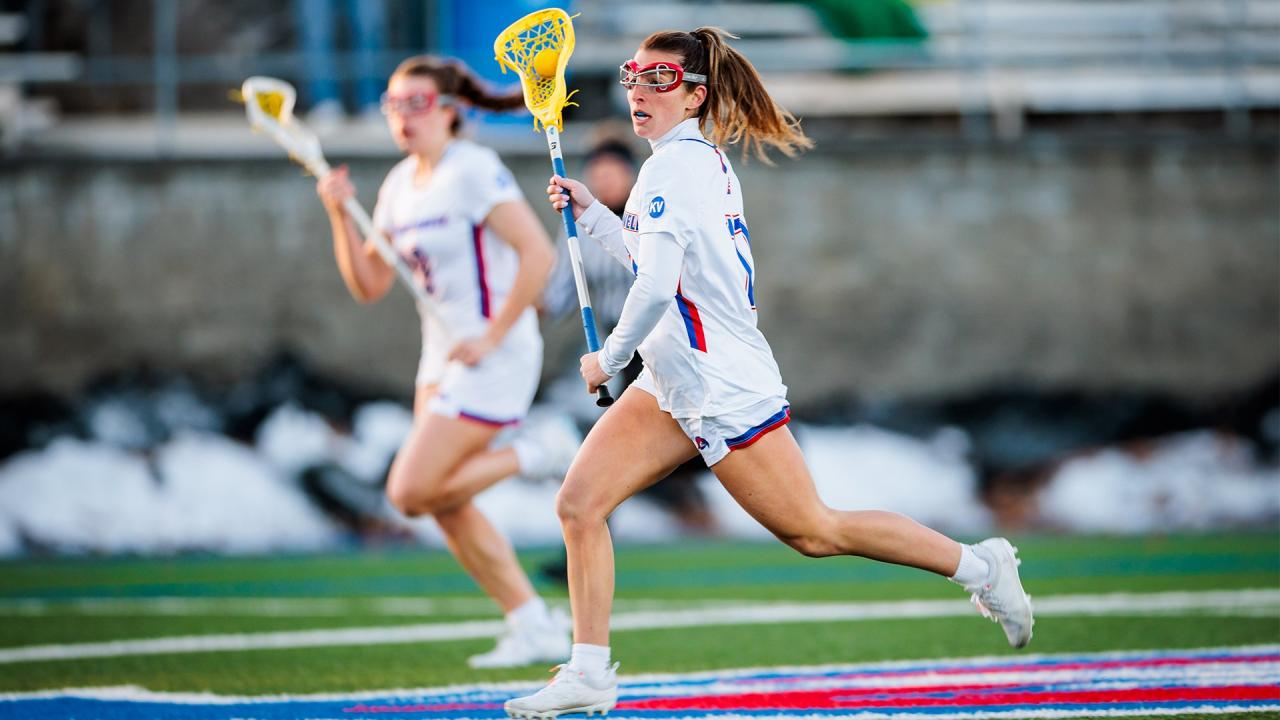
pixel 367 277
pixel 606 228
pixel 661 259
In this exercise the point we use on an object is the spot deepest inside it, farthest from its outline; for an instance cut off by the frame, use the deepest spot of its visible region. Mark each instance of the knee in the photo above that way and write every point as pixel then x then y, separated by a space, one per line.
pixel 813 546
pixel 816 540
pixel 418 504
pixel 575 509
pixel 416 497
pixel 406 500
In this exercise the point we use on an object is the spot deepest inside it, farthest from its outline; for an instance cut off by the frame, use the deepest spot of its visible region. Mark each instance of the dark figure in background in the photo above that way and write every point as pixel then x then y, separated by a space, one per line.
pixel 610 171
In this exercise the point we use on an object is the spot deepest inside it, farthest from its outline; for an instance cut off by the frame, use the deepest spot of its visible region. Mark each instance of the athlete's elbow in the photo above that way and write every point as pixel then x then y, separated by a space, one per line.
pixel 653 304
pixel 358 293
pixel 365 295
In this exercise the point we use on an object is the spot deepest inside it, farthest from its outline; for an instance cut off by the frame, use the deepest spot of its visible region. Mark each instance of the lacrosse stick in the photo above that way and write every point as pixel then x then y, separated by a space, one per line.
pixel 269 105
pixel 537 47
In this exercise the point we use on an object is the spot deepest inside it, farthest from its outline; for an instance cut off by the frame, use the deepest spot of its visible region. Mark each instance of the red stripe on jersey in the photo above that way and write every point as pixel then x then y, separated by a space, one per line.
pixel 692 321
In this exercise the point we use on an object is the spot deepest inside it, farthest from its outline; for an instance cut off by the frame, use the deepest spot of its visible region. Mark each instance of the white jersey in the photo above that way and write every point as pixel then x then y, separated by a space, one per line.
pixel 439 230
pixel 706 355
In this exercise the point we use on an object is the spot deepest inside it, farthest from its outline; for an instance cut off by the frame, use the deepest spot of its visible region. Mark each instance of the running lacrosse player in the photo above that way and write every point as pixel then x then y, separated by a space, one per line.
pixel 710 384
pixel 454 212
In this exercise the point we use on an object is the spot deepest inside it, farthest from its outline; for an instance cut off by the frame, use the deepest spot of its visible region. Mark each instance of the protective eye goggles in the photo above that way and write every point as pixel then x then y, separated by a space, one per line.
pixel 412 103
pixel 661 76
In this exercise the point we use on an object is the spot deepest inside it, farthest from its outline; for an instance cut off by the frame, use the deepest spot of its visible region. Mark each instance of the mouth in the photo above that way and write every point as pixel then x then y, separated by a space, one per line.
pixel 639 115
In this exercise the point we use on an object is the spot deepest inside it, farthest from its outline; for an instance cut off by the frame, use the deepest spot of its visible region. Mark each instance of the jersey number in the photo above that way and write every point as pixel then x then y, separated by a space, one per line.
pixel 742 246
pixel 421 265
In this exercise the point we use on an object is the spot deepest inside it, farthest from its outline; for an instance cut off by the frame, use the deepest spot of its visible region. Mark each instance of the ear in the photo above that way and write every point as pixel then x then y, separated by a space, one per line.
pixel 454 113
pixel 696 97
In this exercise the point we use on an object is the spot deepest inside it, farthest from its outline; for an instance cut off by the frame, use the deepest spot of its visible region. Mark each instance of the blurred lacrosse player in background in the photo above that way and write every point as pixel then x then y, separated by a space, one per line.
pixel 710 384
pixel 453 210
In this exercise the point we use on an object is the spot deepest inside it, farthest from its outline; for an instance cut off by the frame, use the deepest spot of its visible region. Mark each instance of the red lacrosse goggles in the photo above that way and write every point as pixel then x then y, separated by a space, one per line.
pixel 661 76
pixel 412 103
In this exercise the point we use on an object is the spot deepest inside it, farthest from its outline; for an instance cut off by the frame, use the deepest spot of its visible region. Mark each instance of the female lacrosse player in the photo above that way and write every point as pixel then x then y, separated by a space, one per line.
pixel 711 385
pixel 453 210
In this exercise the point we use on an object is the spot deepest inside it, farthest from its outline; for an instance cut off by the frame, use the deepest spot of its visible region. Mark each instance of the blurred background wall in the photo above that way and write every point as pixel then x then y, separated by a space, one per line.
pixel 893 270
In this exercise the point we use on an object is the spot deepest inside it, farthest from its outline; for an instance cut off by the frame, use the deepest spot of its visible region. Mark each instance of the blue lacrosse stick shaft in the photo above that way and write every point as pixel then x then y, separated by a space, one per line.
pixel 603 398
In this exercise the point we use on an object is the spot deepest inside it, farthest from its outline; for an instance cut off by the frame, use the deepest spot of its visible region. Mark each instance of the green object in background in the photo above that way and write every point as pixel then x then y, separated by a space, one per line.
pixel 869 19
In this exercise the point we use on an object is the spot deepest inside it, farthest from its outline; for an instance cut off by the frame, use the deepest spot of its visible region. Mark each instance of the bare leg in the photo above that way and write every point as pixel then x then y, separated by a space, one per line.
pixel 634 445
pixel 422 482
pixel 486 556
pixel 771 482
pixel 476 474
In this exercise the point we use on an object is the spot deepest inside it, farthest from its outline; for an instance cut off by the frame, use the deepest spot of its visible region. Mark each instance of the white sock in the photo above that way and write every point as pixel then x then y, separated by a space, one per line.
pixel 532 613
pixel 530 455
pixel 591 659
pixel 973 570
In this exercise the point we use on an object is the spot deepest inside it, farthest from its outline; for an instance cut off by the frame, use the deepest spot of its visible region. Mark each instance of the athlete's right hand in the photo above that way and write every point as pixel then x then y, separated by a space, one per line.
pixel 335 188
pixel 578 192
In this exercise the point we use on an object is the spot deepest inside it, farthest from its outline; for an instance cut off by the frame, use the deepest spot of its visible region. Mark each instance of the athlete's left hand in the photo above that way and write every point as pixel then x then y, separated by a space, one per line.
pixel 592 373
pixel 471 351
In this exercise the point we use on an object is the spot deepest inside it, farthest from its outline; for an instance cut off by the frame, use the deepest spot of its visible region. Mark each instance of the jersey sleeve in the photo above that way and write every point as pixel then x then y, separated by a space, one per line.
pixel 382 208
pixel 489 184
pixel 605 228
pixel 661 259
pixel 669 198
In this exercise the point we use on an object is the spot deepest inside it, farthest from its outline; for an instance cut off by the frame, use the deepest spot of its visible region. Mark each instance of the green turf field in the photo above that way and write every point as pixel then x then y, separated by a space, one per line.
pixel 61 601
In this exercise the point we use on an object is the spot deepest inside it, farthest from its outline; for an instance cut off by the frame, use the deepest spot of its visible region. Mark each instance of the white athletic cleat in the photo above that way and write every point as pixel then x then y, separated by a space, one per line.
pixel 528 645
pixel 570 691
pixel 558 438
pixel 1001 596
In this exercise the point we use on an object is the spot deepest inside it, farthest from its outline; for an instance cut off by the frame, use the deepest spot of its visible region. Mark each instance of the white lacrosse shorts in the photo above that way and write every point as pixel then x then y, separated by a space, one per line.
pixel 716 437
pixel 499 390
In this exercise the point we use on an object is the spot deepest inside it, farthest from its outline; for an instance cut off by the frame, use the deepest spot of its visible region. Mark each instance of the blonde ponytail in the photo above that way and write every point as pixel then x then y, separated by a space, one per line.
pixel 738 109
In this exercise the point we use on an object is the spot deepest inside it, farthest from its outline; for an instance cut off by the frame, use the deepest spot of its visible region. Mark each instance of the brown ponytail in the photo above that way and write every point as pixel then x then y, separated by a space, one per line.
pixel 456 79
pixel 738 109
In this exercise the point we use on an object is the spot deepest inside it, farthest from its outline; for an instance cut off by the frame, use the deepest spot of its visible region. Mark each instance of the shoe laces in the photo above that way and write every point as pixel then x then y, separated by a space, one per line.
pixel 564 671
pixel 987 603
pixel 987 600
pixel 563 682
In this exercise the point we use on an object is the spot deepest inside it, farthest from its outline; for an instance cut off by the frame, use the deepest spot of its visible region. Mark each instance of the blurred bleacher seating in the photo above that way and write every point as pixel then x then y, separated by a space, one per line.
pixel 1003 57
pixel 990 63
pixel 20 113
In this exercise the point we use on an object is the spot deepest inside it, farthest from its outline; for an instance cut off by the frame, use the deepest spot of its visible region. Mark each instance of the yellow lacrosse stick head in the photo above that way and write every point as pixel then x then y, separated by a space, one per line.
pixel 537 47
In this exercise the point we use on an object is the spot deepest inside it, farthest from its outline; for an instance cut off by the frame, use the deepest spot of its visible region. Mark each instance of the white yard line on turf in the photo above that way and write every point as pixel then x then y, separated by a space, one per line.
pixel 246 606
pixel 1162 603
pixel 390 606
